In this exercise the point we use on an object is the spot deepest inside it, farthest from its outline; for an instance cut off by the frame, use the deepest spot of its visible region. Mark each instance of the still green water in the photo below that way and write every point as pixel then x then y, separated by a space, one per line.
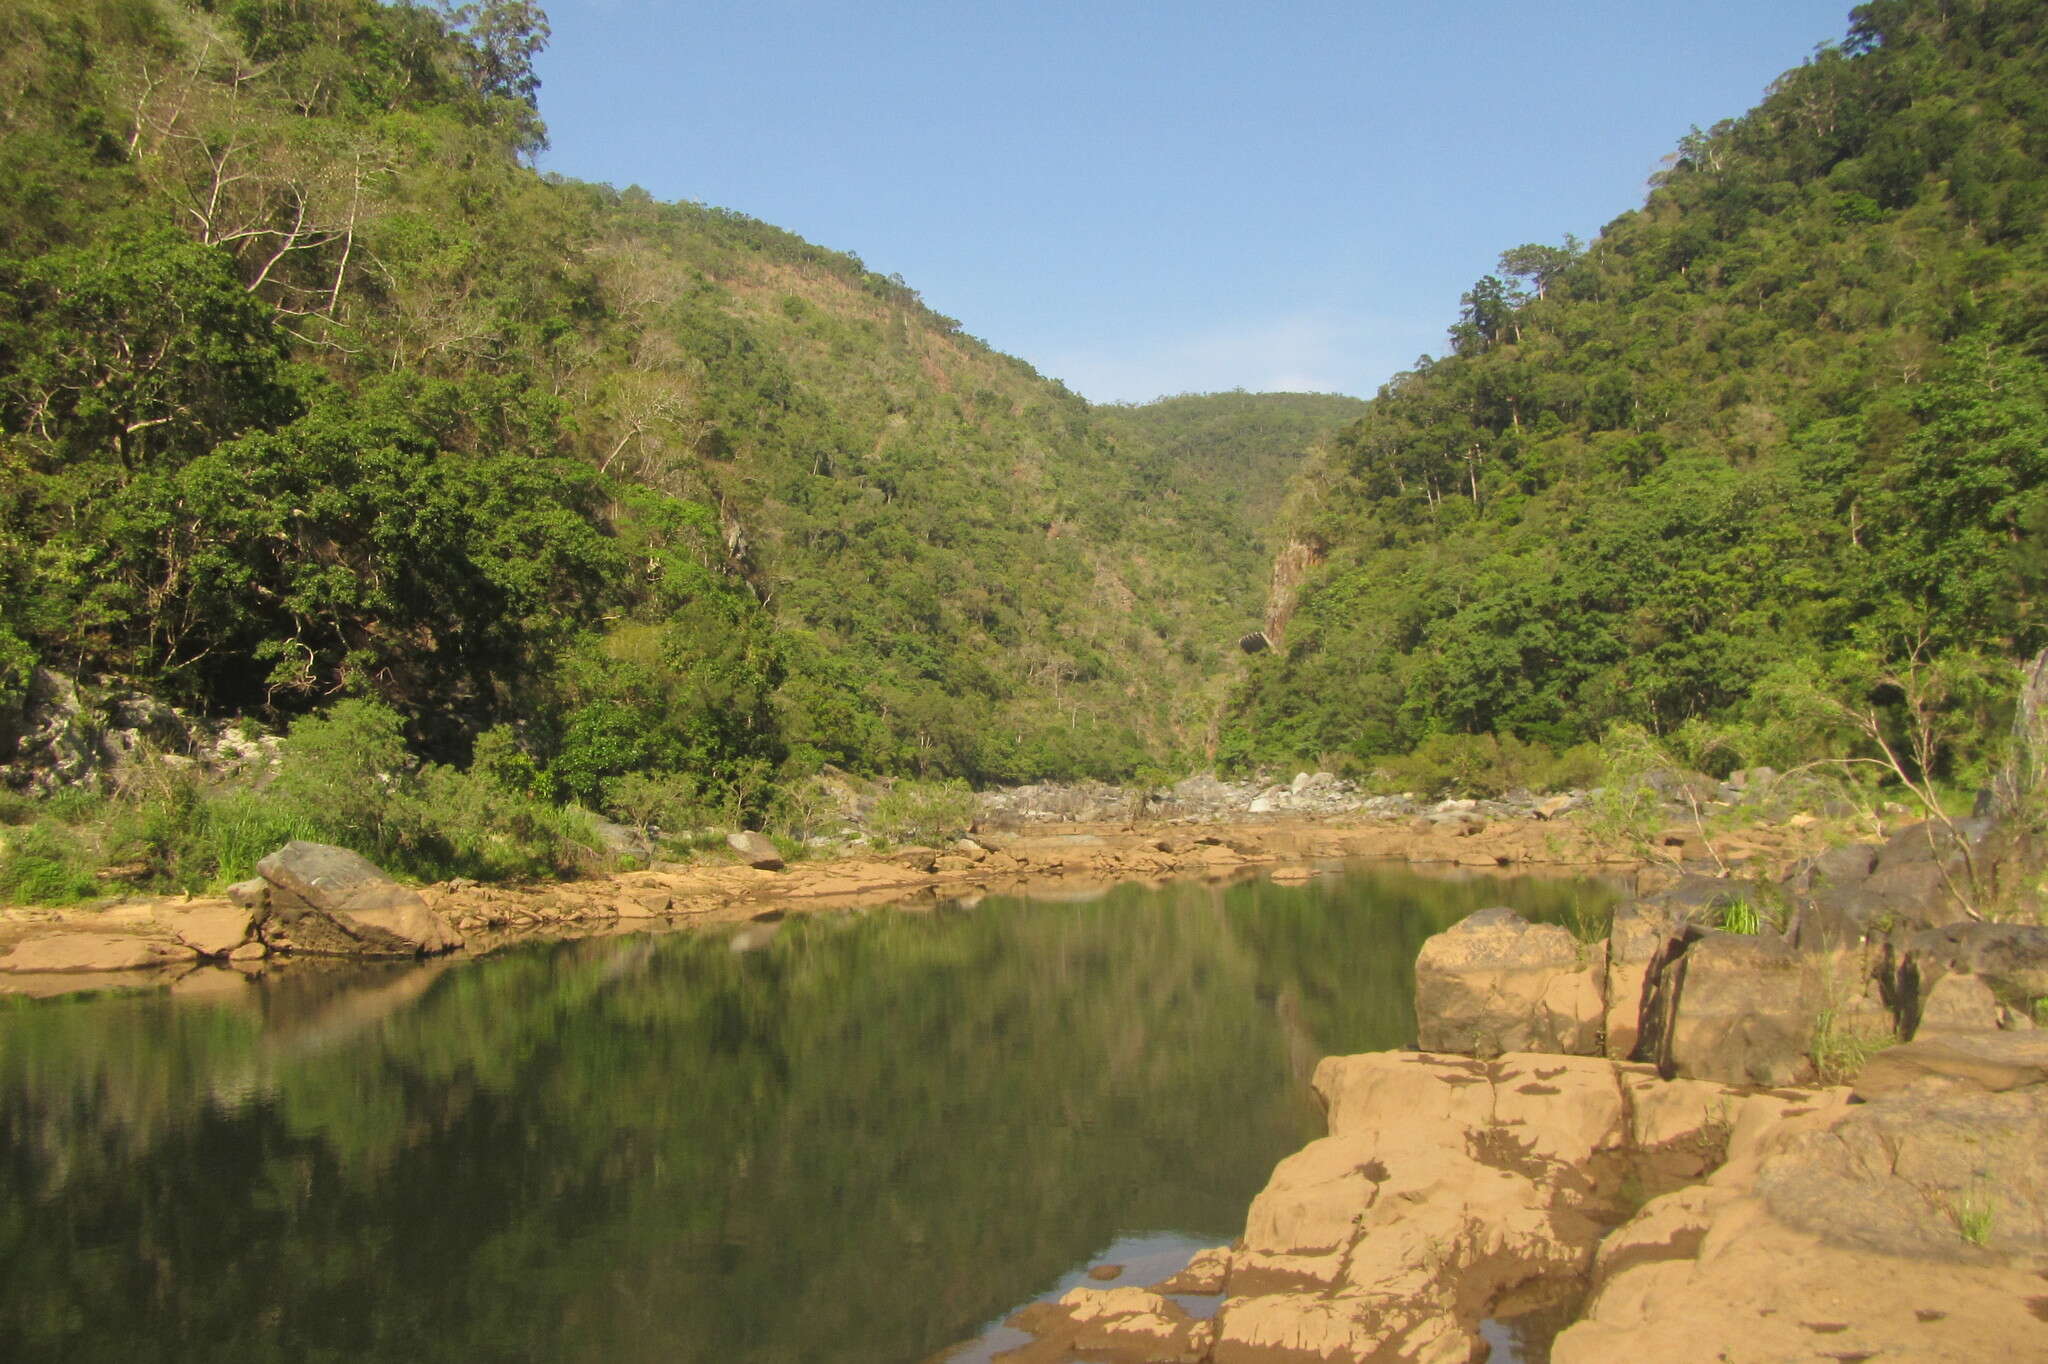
pixel 863 1139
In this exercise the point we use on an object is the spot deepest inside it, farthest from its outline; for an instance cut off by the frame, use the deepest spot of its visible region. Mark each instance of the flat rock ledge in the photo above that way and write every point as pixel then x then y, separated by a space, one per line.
pixel 1905 1218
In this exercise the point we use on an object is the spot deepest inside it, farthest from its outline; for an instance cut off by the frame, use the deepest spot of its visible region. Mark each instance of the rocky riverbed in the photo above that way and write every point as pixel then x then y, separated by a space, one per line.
pixel 1822 1140
pixel 143 940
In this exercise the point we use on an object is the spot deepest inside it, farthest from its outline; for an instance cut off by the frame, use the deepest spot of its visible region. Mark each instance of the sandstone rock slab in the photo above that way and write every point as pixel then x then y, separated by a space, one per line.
pixel 1495 983
pixel 1910 1227
pixel 1989 1061
pixel 1742 1010
pixel 212 928
pixel 1444 1186
pixel 81 952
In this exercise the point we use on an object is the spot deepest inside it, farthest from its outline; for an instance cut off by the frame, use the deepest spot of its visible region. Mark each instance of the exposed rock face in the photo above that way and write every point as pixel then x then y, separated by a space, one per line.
pixel 1990 1061
pixel 756 850
pixel 2009 962
pixel 1743 1012
pixel 74 952
pixel 1495 983
pixel 329 901
pixel 1914 1226
pixel 1638 937
pixel 73 735
pixel 1445 1184
pixel 1915 878
pixel 1207 1271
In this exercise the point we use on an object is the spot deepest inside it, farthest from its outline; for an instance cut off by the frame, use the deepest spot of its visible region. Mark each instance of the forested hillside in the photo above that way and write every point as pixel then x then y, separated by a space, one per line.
pixel 1760 465
pixel 310 388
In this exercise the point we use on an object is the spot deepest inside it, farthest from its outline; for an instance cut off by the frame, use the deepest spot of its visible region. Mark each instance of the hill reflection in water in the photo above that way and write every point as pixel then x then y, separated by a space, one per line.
pixel 863 1140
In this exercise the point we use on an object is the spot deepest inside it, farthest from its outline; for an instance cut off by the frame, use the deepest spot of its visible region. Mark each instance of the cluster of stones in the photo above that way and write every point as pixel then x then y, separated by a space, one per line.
pixel 1627 1133
pixel 1205 799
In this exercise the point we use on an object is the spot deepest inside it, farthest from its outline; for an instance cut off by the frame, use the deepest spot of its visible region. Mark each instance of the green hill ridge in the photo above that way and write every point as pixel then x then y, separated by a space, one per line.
pixel 311 388
pixel 1759 470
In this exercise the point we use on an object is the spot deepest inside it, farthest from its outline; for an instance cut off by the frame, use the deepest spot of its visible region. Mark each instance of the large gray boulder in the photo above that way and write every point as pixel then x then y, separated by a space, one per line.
pixel 329 901
pixel 756 850
pixel 1919 877
pixel 1495 983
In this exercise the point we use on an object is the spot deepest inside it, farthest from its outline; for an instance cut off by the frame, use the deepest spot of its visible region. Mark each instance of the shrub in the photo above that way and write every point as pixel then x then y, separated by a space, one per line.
pixel 923 812
pixel 1486 765
pixel 344 771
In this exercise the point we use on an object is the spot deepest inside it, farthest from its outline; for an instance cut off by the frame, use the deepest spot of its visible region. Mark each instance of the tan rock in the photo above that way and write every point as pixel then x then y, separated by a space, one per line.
pixel 1910 1227
pixel 1444 1185
pixel 1126 1324
pixel 1495 983
pixel 1637 935
pixel 212 928
pixel 1958 1003
pixel 1207 1272
pixel 1990 1061
pixel 1743 1011
pixel 80 952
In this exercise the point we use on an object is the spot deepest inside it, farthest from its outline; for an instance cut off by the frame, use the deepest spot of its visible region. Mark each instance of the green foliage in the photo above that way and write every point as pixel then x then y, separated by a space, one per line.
pixel 1840 1051
pixel 1485 766
pixel 1789 414
pixel 45 863
pixel 923 812
pixel 1740 916
pixel 1974 1217
pixel 668 801
pixel 300 364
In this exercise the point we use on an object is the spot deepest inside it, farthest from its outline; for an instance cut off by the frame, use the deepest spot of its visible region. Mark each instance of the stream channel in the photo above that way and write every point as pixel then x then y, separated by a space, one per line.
pixel 862 1136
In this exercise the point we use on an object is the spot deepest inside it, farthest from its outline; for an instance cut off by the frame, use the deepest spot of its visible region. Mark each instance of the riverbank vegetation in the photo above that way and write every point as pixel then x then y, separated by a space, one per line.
pixel 320 409
pixel 1760 470
pixel 310 388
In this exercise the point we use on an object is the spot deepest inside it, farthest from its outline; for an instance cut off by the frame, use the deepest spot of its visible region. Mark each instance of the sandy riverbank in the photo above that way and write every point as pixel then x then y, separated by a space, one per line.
pixel 1065 859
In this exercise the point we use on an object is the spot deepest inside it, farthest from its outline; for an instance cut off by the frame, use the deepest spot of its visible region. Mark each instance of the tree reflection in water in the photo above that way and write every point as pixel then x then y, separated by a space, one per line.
pixel 861 1141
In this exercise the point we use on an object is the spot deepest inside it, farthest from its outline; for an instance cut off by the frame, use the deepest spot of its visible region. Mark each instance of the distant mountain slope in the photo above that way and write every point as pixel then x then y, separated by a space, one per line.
pixel 309 387
pixel 1779 433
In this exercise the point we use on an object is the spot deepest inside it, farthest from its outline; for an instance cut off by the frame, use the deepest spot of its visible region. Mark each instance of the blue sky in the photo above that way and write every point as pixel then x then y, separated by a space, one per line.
pixel 1143 199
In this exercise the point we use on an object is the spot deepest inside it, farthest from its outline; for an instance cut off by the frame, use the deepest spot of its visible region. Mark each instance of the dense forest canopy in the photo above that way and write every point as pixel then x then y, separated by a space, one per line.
pixel 311 388
pixel 1777 436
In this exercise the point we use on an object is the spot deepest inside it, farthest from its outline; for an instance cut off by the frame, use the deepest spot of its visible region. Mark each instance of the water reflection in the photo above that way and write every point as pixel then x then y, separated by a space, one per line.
pixel 862 1138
